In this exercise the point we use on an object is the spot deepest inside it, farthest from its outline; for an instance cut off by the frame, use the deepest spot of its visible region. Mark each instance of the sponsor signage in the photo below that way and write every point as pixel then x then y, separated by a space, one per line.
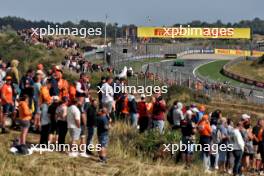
pixel 189 32
pixel 233 52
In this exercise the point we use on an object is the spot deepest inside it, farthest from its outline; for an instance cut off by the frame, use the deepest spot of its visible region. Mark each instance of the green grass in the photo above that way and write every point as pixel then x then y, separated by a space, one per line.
pixel 212 71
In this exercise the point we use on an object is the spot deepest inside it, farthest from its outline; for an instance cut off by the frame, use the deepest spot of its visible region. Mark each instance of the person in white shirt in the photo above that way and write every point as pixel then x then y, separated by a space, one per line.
pixel 238 148
pixel 74 125
pixel 2 73
pixel 108 95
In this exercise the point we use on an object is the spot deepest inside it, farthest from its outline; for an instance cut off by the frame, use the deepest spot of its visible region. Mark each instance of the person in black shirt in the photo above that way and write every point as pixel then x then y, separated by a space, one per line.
pixel 188 131
pixel 91 112
pixel 103 133
pixel 53 137
pixel 99 85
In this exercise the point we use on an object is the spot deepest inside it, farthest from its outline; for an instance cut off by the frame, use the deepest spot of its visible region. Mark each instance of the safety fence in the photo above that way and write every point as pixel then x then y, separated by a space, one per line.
pixel 158 72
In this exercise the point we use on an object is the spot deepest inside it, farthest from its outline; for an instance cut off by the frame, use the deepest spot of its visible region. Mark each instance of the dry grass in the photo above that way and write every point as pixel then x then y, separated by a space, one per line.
pixel 246 69
pixel 121 161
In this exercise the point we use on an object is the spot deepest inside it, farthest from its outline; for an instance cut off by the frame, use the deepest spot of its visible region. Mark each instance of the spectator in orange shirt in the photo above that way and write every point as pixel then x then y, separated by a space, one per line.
pixel 62 84
pixel 124 109
pixel 25 115
pixel 72 92
pixel 45 100
pixel 205 132
pixel 7 101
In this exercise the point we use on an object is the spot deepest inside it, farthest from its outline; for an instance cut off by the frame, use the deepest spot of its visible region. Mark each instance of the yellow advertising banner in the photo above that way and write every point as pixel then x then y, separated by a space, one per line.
pixel 188 32
pixel 257 53
pixel 233 52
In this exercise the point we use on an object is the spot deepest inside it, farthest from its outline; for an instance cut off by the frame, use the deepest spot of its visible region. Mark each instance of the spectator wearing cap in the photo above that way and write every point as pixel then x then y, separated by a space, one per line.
pixel 7 102
pixel 205 132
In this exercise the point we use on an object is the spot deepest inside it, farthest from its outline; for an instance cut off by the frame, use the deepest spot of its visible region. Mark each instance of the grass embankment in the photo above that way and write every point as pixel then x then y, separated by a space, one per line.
pixel 248 69
pixel 12 47
pixel 212 71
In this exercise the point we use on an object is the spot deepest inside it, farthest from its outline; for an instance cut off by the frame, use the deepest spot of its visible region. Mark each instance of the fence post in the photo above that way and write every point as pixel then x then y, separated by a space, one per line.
pixel 180 79
pixel 137 80
pixel 189 80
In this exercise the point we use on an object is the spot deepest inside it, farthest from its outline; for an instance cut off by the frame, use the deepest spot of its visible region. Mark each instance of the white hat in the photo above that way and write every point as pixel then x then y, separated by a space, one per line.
pixel 143 96
pixel 245 117
pixel 55 98
pixel 195 110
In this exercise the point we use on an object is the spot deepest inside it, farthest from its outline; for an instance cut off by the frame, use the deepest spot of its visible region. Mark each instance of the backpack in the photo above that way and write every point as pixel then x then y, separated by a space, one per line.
pixel 170 116
pixel 22 149
pixel 217 136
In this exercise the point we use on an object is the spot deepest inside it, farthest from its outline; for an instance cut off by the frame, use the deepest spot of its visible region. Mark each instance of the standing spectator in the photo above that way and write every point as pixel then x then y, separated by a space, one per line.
pixel 103 134
pixel 188 130
pixel 2 73
pixel 80 105
pixel 13 72
pixel 257 157
pixel 177 115
pixel 248 139
pixel 238 148
pixel 82 86
pixel 45 100
pixel 224 138
pixel 100 95
pixel 132 104
pixel 229 157
pixel 158 113
pixel 74 126
pixel 7 102
pixel 261 143
pixel 91 113
pixel 143 119
pixel 25 115
pixel 53 136
pixel 205 132
pixel 108 95
pixel 61 117
pixel 170 118
pixel 201 112
pixel 36 87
